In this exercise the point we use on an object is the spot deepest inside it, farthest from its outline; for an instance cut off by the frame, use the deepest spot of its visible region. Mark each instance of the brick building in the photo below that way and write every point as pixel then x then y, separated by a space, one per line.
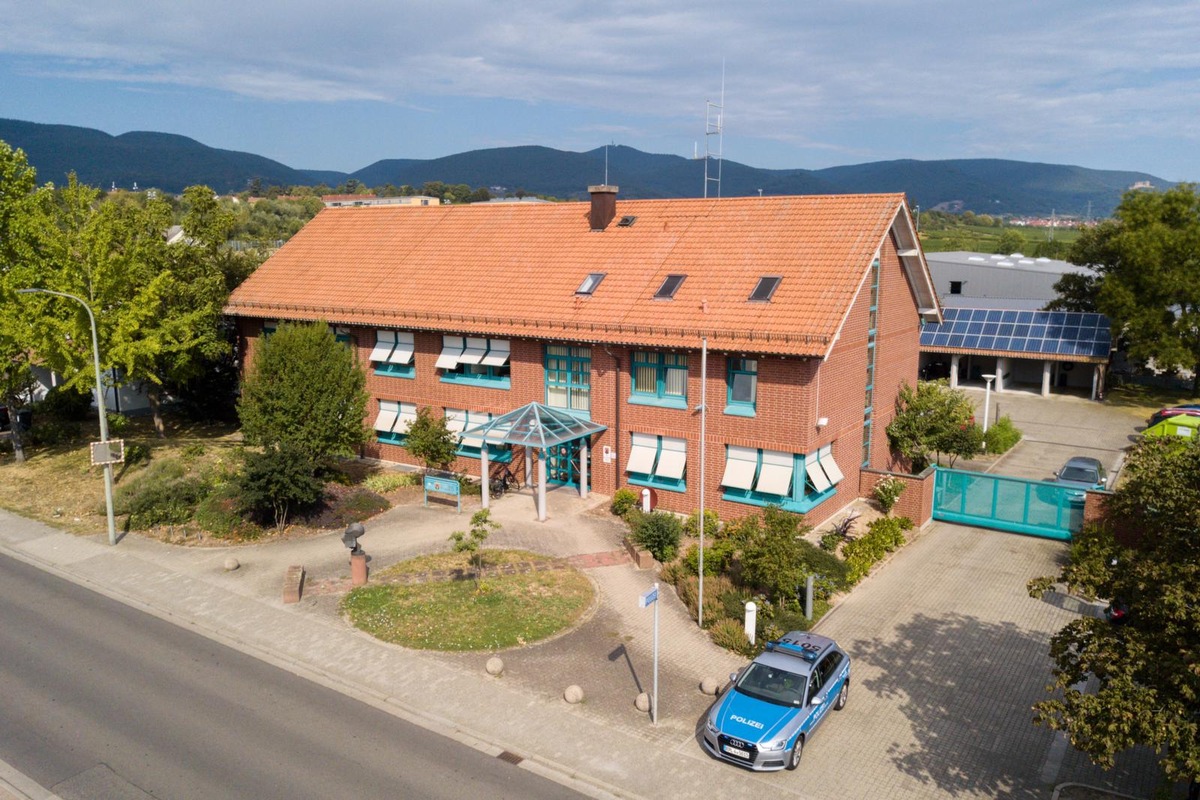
pixel 802 313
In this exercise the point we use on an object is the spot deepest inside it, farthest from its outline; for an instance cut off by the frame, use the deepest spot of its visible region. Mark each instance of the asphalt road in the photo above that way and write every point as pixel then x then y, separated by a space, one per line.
pixel 100 700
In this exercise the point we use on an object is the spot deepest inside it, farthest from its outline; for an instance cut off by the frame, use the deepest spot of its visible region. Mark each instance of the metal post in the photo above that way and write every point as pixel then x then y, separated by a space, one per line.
pixel 654 705
pixel 703 419
pixel 101 407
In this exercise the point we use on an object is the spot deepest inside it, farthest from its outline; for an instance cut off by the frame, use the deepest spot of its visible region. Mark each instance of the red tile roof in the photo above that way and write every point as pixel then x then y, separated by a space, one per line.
pixel 512 270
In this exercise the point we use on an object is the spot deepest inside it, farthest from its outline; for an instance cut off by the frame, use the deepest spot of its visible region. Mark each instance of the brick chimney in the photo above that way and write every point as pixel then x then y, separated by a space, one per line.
pixel 604 206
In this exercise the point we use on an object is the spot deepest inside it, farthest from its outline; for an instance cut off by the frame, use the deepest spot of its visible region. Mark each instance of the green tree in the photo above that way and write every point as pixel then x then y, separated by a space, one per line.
pixel 1076 292
pixel 472 542
pixel 306 390
pixel 778 559
pixel 430 440
pixel 1148 669
pixel 931 420
pixel 1148 260
pixel 18 237
pixel 1010 242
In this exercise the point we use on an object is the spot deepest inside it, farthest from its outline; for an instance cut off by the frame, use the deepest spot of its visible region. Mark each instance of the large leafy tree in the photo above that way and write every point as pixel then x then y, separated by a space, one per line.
pixel 18 209
pixel 932 420
pixel 1148 264
pixel 157 306
pixel 1147 671
pixel 304 390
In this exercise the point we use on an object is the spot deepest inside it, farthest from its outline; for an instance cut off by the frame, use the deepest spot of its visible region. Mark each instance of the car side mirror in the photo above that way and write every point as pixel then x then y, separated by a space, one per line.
pixel 732 677
pixel 816 701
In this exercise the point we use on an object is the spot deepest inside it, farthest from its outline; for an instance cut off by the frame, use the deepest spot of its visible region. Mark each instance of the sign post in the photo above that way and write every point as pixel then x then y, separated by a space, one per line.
pixel 650 597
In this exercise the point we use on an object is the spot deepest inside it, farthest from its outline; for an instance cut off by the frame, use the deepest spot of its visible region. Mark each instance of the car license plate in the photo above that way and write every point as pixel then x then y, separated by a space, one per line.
pixel 736 751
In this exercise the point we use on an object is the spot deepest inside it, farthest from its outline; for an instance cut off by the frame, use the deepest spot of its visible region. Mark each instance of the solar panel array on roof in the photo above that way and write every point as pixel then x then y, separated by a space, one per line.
pixel 1069 333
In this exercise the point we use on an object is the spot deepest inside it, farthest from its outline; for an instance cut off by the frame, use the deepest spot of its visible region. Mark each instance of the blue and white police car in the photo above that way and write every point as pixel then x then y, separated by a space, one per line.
pixel 776 703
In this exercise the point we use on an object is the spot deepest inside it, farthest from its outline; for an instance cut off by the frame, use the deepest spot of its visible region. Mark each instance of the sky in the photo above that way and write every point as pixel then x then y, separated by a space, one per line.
pixel 341 84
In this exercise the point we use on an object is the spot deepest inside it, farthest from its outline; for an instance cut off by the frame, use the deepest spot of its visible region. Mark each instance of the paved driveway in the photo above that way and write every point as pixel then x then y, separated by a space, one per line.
pixel 949 654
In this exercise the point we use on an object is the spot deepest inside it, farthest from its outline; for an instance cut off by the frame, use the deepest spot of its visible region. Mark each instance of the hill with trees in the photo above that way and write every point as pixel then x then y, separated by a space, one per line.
pixel 170 162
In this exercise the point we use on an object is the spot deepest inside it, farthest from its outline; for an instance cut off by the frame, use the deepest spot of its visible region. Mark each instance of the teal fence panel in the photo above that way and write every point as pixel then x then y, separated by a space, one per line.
pixel 1020 505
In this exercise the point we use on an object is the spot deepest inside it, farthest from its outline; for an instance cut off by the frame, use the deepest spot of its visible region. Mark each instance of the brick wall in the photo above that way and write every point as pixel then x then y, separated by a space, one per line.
pixel 915 502
pixel 792 394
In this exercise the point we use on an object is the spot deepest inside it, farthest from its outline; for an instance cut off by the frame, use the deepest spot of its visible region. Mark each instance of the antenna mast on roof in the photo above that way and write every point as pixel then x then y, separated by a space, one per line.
pixel 714 125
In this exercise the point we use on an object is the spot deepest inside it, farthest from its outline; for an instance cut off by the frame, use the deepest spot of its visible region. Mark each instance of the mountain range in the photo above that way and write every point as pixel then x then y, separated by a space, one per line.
pixel 171 162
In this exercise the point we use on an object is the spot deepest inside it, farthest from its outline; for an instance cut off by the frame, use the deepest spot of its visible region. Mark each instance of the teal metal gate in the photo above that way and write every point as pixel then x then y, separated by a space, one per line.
pixel 1020 505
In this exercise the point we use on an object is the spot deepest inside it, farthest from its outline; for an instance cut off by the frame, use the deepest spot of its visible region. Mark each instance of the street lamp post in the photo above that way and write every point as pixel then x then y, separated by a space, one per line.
pixel 100 404
pixel 987 396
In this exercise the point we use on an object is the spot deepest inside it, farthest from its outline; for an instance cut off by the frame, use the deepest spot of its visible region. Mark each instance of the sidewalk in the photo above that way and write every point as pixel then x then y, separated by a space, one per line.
pixel 599 747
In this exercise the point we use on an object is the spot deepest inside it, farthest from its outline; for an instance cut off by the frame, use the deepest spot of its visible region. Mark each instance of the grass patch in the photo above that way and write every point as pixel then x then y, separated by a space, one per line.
pixel 497 612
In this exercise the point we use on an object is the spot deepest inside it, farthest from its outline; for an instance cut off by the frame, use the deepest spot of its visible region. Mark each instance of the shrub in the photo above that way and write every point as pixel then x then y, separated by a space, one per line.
pixel 165 494
pixel 356 506
pixel 830 541
pixel 54 431
pixel 623 500
pixel 715 588
pixel 136 453
pixel 66 404
pixel 778 559
pixel 712 524
pixel 659 532
pixel 731 634
pixel 673 573
pixel 192 452
pixel 1001 436
pixel 117 423
pixel 278 480
pixel 384 482
pixel 716 557
pixel 883 536
pixel 220 514
pixel 887 491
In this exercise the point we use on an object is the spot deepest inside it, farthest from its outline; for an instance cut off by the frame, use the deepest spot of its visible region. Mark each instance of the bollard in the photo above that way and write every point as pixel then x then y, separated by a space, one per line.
pixel 358 569
pixel 646 500
pixel 751 620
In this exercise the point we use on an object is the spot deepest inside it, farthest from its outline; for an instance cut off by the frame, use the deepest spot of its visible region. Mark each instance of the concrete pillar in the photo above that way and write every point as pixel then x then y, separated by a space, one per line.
pixel 583 468
pixel 1095 380
pixel 1001 368
pixel 954 370
pixel 541 495
pixel 484 483
pixel 1046 367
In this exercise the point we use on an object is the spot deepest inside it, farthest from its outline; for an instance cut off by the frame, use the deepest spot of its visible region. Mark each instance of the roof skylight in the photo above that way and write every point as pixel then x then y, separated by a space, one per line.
pixel 590 283
pixel 626 221
pixel 765 288
pixel 670 285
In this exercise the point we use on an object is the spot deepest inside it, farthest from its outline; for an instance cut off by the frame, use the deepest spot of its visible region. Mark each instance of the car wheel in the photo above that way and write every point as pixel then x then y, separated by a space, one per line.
pixel 842 695
pixel 797 751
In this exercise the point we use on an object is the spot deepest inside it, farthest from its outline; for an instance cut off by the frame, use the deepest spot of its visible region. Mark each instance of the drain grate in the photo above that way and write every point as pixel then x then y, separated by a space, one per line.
pixel 511 758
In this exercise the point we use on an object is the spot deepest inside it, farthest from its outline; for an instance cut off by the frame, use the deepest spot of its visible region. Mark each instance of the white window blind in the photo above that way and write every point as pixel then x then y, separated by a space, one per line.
pixel 642 454
pixel 452 348
pixel 740 465
pixel 385 342
pixel 673 458
pixel 775 477
pixel 497 354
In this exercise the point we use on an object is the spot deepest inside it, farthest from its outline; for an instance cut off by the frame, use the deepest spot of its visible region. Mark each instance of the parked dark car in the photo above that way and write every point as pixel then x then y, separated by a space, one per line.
pixel 1082 473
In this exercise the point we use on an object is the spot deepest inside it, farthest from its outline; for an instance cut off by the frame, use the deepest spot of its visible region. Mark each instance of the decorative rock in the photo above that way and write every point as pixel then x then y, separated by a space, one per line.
pixel 710 686
pixel 495 666
pixel 231 564
pixel 642 703
pixel 573 694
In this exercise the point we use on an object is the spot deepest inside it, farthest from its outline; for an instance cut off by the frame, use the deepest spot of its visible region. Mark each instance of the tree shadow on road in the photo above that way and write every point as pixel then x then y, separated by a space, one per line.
pixel 967 686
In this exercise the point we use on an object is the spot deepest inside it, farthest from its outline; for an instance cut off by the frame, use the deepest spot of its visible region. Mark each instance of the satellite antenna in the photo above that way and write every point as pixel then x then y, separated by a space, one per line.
pixel 714 125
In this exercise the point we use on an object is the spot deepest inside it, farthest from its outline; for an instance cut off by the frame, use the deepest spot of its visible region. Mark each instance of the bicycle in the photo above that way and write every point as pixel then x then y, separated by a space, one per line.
pixel 503 480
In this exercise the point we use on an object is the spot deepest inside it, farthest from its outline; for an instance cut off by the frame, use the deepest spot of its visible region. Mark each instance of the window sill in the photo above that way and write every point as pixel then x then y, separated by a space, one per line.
pixel 667 484
pixel 661 402
pixel 575 412
pixel 484 383
pixel 740 411
pixel 407 372
pixel 391 438
pixel 808 503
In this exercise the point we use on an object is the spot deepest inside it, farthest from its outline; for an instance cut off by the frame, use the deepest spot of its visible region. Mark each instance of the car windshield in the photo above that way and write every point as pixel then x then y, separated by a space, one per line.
pixel 1078 475
pixel 772 684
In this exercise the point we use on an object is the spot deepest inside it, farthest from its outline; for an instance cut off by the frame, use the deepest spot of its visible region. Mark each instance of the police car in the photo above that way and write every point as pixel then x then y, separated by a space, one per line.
pixel 776 703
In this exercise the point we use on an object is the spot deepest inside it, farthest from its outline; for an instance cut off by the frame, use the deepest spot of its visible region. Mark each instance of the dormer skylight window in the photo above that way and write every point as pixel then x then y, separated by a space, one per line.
pixel 626 221
pixel 765 289
pixel 669 286
pixel 590 283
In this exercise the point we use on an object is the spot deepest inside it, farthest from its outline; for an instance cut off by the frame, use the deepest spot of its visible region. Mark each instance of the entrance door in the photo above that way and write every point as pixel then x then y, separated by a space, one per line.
pixel 562 464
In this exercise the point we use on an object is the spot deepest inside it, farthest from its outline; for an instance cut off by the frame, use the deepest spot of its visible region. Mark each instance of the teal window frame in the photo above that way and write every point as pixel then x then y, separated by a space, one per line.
pixel 662 364
pixel 569 372
pixel 652 480
pixel 393 437
pixel 869 389
pixel 802 498
pixel 485 376
pixel 496 452
pixel 735 368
